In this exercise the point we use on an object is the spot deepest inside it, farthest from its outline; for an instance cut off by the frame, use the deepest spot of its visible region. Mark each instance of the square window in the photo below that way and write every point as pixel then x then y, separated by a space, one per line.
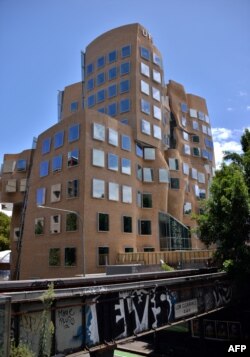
pixel 103 256
pixel 124 105
pixel 149 153
pixel 74 106
pixel 201 116
pixel 74 132
pixel 100 62
pixel 54 257
pixel 103 222
pixel 100 79
pixel 125 68
pixel 145 127
pixel 126 142
pixel 144 87
pixel 98 131
pixel 148 174
pixel 163 176
pixel 112 109
pixel 202 193
pixel 145 106
pixel 113 191
pixel 145 70
pixel 174 183
pixel 100 96
pixel 126 194
pixel 145 53
pixel 156 76
pixel 44 168
pixel 46 145
pixel 196 139
pixel 147 201
pixel 124 86
pixel 58 139
pixel 113 162
pixel 11 185
pixel 112 56
pixel 40 196
pixel 126 51
pixel 127 224
pixel 21 165
pixel 113 137
pixel 98 158
pixel 193 113
pixel 126 166
pixel 98 188
pixel 73 158
pixel 55 193
pixel 72 188
pixel 70 257
pixel 144 227
pixel 112 91
pixel 156 94
pixel 157 112
pixel 57 163
pixel 39 226
pixel 157 132
pixel 173 164
pixel 71 222
pixel 112 73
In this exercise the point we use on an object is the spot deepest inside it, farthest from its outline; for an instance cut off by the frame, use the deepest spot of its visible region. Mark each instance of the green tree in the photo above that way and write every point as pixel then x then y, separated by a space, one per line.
pixel 4 231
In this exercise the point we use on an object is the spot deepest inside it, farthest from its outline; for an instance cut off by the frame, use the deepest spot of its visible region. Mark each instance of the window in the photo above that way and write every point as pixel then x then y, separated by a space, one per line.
pixel 163 176
pixel 201 115
pixel 156 76
pixel 147 200
pixel 204 129
pixel 71 222
pixel 126 166
pixel 157 59
pixel 184 108
pixel 100 62
pixel 113 137
pixel 126 51
pixel 194 173
pixel 124 105
pixel 148 249
pixel 98 158
pixel 187 207
pixel 98 188
pixel 100 96
pixel 55 224
pixel 112 91
pixel 54 257
pixel 157 132
pixel 124 121
pixel 100 79
pixel 144 87
pixel 73 158
pixel 202 193
pixel 201 177
pixel 209 143
pixel 113 162
pixel 185 136
pixel 126 143
pixel 145 53
pixel 91 101
pixel 112 109
pixel 98 132
pixel 185 168
pixel 144 227
pixel 125 68
pixel 183 121
pixel 44 168
pixel 139 172
pixel 74 132
pixel 196 191
pixel 21 165
pixel 112 56
pixel 196 151
pixel 173 164
pixel 23 185
pixel 103 222
pixel 127 224
pixel 149 153
pixel 145 127
pixel 156 94
pixel 57 163
pixel 187 150
pixel 209 132
pixel 11 185
pixel 148 174
pixel 46 145
pixel 112 73
pixel 113 191
pixel 174 183
pixel 126 194
pixel 139 150
pixel 101 110
pixel 124 86
pixel 193 113
pixel 205 154
pixel 40 196
pixel 195 125
pixel 196 139
pixel 70 257
pixel 55 194
pixel 58 139
pixel 39 226
pixel 90 69
pixel 72 188
pixel 145 106
pixel 103 256
pixel 157 112
pixel 90 84
pixel 145 69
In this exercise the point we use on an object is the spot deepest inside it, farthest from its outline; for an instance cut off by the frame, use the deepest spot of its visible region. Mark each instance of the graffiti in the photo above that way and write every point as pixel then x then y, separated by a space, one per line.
pixel 44 284
pixel 222 294
pixel 66 317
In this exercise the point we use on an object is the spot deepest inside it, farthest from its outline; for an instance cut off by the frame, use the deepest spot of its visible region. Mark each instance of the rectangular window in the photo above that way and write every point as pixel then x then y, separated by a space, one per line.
pixel 149 153
pixel 173 164
pixel 21 165
pixel 194 173
pixel 70 257
pixel 126 194
pixel 112 56
pixel 58 139
pixel 196 191
pixel 90 69
pixel 127 224
pixel 98 188
pixel 201 177
pixel 145 106
pixel 103 256
pixel 125 68
pixel 156 94
pixel 112 91
pixel 202 193
pixel 139 172
pixel 112 109
pixel 204 129
pixel 73 158
pixel 147 201
pixel 71 222
pixel 201 115
pixel 46 145
pixel 40 196
pixel 98 158
pixel 124 86
pixel 90 84
pixel 57 163
pixel 100 79
pixel 113 162
pixel 72 188
pixel 55 224
pixel 112 73
pixel 98 131
pixel 125 105
pixel 103 222
pixel 196 139
pixel 145 70
pixel 100 62
pixel 186 149
pixel 11 185
pixel 148 174
pixel 74 132
pixel 126 143
pixel 156 76
pixel 157 59
pixel 195 125
pixel 157 132
pixel 183 121
pixel 144 227
pixel 193 113
pixel 185 136
pixel 139 150
pixel 126 166
pixel 91 101
pixel 145 127
pixel 187 207
pixel 113 191
pixel 144 87
pixel 55 195
pixel 163 176
pixel 100 96
pixel 113 137
pixel 44 168
pixel 39 226
pixel 126 51
pixel 54 257
pixel 157 112
pixel 196 151
pixel 145 53
pixel 184 108
pixel 185 168
pixel 174 183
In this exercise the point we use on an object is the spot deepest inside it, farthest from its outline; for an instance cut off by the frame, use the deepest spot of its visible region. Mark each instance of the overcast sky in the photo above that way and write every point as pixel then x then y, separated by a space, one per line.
pixel 205 45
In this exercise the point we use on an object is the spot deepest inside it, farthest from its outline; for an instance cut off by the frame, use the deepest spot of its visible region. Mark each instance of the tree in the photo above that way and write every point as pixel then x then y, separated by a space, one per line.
pixel 4 231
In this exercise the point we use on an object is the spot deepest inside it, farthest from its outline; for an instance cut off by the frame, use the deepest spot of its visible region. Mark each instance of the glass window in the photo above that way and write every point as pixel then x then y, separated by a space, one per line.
pixel 157 112
pixel 124 86
pixel 70 257
pixel 112 56
pixel 147 201
pixel 124 105
pixel 201 177
pixel 209 132
pixel 126 194
pixel 100 96
pixel 126 166
pixel 145 127
pixel 44 168
pixel 54 257
pixel 40 196
pixel 74 132
pixel 98 158
pixel 156 94
pixel 204 129
pixel 139 150
pixel 103 222
pixel 144 87
pixel 195 125
pixel 55 224
pixel 39 226
pixel 145 53
pixel 144 227
pixel 193 113
pixel 196 152
pixel 174 183
pixel 103 256
pixel 112 91
pixel 207 120
pixel 156 76
pixel 113 191
pixel 145 106
pixel 187 150
pixel 113 162
pixel 112 109
pixel 46 145
pixel 202 193
pixel 57 163
pixel 100 79
pixel 194 173
pixel 58 139
pixel 113 137
pixel 196 191
pixel 71 222
pixel 139 172
pixel 98 131
pixel 112 73
pixel 127 224
pixel 126 142
pixel 157 59
pixel 196 139
pixel 185 168
pixel 148 174
pixel 145 70
pixel 98 188
pixel 90 69
pixel 100 62
pixel 90 84
pixel 157 132
pixel 187 207
pixel 72 188
pixel 125 68
pixel 55 195
pixel 184 108
pixel 163 175
pixel 173 164
pixel 185 136
pixel 21 165
pixel 73 158
pixel 101 110
pixel 201 115
pixel 149 153
pixel 183 121
pixel 126 51
pixel 91 101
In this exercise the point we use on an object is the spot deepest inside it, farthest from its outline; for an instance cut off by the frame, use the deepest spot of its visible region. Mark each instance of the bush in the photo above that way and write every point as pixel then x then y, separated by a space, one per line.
pixel 21 350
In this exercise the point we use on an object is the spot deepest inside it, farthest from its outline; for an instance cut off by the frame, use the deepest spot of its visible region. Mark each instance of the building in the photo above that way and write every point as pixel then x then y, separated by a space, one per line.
pixel 128 162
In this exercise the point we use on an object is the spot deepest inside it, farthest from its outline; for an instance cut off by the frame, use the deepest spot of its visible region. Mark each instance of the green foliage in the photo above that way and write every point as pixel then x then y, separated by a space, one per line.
pixel 4 225
pixel 4 243
pixel 166 267
pixel 21 350
pixel 228 265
